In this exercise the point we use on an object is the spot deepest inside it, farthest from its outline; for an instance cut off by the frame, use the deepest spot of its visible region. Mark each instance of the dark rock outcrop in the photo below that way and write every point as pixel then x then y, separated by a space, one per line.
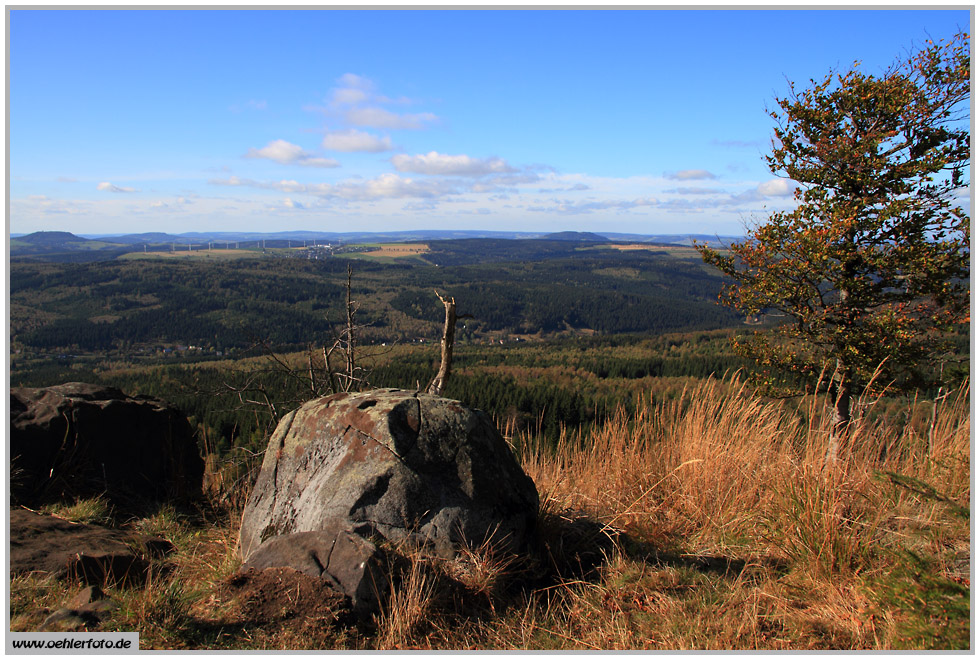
pixel 78 440
pixel 88 553
pixel 386 467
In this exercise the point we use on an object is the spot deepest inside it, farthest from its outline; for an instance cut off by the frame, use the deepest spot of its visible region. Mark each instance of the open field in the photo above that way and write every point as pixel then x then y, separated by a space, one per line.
pixel 400 249
pixel 681 251
pixel 196 253
pixel 388 253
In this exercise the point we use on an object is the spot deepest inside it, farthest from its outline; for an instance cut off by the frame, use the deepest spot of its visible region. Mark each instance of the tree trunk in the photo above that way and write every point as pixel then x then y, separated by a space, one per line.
pixel 448 337
pixel 842 416
pixel 351 338
pixel 844 389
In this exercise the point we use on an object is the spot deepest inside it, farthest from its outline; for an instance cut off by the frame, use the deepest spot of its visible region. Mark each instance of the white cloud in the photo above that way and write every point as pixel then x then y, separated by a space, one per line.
pixel 777 188
pixel 570 207
pixel 687 175
pixel 105 186
pixel 355 81
pixel 349 96
pixel 375 117
pixel 497 182
pixel 392 186
pixel 386 186
pixel 42 205
pixel 694 190
pixel 172 206
pixel 356 101
pixel 352 140
pixel 287 153
pixel 443 164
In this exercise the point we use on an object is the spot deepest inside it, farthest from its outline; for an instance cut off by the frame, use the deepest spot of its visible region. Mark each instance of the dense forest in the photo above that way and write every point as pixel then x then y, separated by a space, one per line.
pixel 533 287
pixel 550 387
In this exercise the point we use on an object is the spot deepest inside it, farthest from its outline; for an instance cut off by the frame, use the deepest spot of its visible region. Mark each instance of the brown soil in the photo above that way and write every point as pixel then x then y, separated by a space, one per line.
pixel 287 596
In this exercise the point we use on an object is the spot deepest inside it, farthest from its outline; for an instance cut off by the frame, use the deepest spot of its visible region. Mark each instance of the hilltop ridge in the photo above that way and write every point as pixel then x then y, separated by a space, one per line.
pixel 67 246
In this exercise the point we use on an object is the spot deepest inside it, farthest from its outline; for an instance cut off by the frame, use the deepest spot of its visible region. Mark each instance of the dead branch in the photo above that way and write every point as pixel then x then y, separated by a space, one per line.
pixel 438 383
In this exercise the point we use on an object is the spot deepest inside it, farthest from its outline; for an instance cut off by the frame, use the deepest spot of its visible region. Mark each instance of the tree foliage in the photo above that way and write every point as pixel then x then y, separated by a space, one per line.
pixel 871 269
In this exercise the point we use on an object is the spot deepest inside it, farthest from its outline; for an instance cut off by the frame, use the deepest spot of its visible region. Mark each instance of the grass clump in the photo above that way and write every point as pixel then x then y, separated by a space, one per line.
pixel 96 510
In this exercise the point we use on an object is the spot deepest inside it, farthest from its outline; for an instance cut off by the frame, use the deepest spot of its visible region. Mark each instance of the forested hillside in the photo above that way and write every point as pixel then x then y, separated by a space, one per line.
pixel 532 287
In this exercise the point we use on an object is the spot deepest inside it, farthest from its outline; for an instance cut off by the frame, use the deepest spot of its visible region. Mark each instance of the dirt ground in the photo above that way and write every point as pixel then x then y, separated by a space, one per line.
pixel 283 594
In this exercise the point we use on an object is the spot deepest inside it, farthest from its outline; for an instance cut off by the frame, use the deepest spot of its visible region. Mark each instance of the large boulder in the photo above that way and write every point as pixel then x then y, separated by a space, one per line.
pixel 78 440
pixel 393 467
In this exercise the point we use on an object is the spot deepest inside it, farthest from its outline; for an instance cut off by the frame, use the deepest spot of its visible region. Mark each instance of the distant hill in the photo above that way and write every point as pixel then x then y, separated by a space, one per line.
pixel 199 238
pixel 711 240
pixel 62 246
pixel 578 236
pixel 150 237
pixel 52 239
pixel 65 246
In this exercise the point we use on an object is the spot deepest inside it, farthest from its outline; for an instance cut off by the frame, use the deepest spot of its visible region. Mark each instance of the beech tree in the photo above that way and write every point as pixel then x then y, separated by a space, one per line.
pixel 870 270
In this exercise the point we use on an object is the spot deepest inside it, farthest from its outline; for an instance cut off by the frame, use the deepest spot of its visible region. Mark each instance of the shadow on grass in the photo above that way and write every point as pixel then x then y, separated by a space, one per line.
pixel 578 546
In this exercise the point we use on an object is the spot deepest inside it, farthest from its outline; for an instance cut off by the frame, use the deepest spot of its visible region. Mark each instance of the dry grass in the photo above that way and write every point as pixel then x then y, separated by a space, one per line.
pixel 712 521
pixel 788 549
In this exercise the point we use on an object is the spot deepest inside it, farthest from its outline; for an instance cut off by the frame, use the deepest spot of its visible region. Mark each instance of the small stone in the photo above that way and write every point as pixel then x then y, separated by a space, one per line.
pixel 67 619
pixel 88 595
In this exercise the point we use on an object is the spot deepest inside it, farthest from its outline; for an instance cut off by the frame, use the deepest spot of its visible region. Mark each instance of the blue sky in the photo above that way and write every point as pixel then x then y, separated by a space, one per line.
pixel 646 121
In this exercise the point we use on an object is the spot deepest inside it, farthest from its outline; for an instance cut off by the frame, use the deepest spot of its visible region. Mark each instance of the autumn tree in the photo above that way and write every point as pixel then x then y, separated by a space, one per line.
pixel 870 270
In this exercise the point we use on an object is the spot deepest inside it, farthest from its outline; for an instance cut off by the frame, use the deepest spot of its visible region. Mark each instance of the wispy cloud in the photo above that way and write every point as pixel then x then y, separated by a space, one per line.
pixel 105 186
pixel 689 175
pixel 434 163
pixel 251 104
pixel 375 117
pixel 44 205
pixel 569 207
pixel 694 190
pixel 352 89
pixel 353 140
pixel 385 186
pixel 284 185
pixel 356 101
pixel 287 153
pixel 174 205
